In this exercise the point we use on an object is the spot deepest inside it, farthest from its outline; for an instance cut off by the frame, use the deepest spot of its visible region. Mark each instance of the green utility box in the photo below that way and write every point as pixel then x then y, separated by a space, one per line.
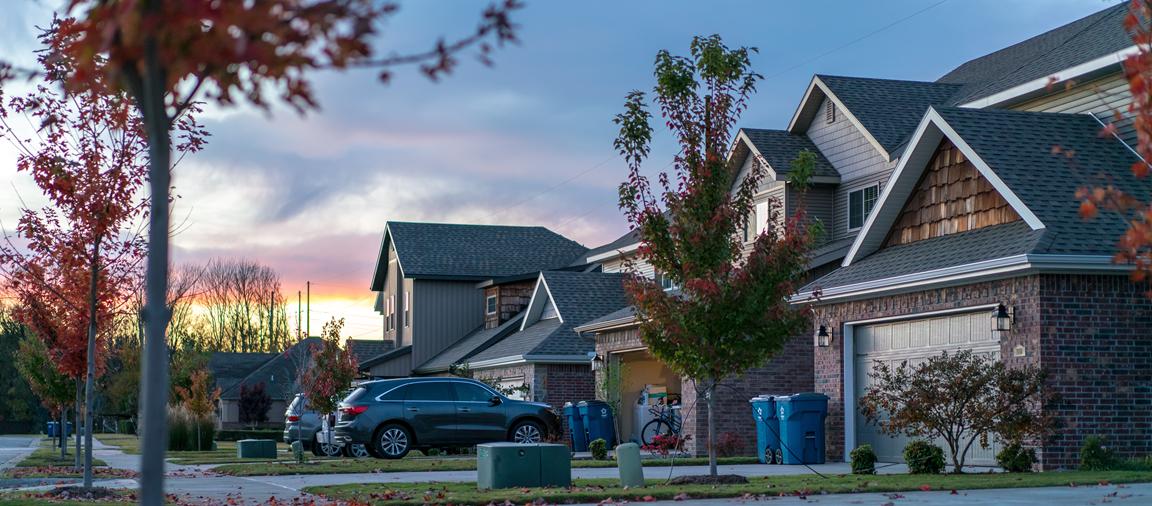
pixel 256 449
pixel 508 465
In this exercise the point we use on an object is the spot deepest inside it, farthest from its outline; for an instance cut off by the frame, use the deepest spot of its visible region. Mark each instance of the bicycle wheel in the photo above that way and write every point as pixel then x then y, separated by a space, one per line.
pixel 654 428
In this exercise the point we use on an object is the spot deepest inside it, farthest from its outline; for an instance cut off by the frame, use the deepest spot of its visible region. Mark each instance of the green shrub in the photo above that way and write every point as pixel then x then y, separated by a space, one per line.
pixel 1095 455
pixel 599 449
pixel 1016 459
pixel 923 457
pixel 863 460
pixel 125 427
pixel 186 432
pixel 236 435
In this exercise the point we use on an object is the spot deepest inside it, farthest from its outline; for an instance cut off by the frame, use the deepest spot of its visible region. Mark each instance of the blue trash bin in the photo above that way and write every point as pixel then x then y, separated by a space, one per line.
pixel 598 423
pixel 69 429
pixel 802 427
pixel 576 428
pixel 767 429
pixel 53 429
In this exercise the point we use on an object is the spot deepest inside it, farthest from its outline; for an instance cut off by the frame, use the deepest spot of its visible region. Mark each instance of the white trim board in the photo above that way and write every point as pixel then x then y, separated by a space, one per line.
pixel 921 147
pixel 1022 91
pixel 794 123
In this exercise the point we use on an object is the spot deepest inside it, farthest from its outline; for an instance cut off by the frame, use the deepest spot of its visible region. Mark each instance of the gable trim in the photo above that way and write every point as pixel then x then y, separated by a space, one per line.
pixel 532 314
pixel 1023 91
pixel 385 242
pixel 743 137
pixel 921 147
pixel 619 252
pixel 807 110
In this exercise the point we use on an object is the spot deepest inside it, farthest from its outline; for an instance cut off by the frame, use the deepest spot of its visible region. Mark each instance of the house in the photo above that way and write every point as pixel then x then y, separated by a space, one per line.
pixel 427 278
pixel 874 140
pixel 980 213
pixel 278 372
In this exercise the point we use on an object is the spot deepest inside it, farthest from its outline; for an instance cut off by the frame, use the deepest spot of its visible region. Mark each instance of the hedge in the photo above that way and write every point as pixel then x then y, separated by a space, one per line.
pixel 236 435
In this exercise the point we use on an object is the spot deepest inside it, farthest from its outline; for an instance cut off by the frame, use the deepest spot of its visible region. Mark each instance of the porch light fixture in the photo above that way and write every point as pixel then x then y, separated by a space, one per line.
pixel 824 336
pixel 597 361
pixel 1002 318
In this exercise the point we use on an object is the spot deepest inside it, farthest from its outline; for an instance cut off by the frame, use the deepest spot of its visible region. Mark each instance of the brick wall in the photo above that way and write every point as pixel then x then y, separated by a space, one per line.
pixel 1089 332
pixel 553 384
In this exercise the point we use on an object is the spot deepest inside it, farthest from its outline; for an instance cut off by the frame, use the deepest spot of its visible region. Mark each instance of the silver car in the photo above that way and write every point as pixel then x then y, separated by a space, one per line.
pixel 303 424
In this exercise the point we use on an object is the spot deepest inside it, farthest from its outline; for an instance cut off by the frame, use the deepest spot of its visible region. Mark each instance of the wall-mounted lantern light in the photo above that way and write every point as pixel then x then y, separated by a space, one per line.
pixel 824 335
pixel 1002 318
pixel 597 361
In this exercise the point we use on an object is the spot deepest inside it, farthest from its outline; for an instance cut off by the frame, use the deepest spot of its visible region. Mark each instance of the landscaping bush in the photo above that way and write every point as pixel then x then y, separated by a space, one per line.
pixel 1095 455
pixel 599 449
pixel 728 444
pixel 923 457
pixel 236 435
pixel 863 460
pixel 1014 458
pixel 187 432
pixel 125 427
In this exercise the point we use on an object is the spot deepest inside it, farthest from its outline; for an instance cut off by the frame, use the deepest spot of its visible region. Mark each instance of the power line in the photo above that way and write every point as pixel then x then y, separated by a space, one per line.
pixel 574 177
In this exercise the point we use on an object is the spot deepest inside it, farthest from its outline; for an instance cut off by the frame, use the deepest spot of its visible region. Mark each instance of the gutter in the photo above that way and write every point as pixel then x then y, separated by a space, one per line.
pixel 626 321
pixel 525 359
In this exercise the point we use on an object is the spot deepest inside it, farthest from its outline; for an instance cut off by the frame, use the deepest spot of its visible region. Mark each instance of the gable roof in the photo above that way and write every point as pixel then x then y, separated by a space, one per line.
pixel 579 297
pixel 1035 59
pixel 780 147
pixel 476 342
pixel 228 368
pixel 1015 152
pixel 279 373
pixel 386 356
pixel 366 349
pixel 472 252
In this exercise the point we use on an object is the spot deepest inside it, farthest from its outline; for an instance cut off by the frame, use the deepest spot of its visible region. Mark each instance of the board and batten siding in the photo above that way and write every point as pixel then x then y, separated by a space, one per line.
pixel 442 313
pixel 393 296
pixel 1101 97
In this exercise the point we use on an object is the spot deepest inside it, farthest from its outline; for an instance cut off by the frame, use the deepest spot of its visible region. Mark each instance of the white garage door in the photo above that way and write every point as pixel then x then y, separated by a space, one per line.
pixel 914 341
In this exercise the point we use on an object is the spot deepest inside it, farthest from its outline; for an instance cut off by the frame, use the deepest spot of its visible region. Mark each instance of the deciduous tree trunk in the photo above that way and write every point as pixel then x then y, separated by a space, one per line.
pixel 90 380
pixel 76 426
pixel 709 398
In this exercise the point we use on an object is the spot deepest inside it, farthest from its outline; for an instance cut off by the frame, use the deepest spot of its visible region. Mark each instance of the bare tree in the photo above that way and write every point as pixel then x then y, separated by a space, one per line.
pixel 245 310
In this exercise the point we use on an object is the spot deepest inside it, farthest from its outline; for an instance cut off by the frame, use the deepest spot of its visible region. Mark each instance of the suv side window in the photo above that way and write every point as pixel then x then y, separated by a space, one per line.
pixel 468 392
pixel 396 394
pixel 429 391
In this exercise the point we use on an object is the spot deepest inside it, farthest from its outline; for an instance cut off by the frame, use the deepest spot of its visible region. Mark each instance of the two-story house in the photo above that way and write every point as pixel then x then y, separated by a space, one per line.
pixel 426 283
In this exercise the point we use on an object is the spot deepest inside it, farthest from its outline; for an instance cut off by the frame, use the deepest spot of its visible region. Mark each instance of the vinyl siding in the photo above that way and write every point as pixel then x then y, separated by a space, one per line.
pixel 1100 97
pixel 840 226
pixel 617 265
pixel 442 313
pixel 845 147
pixel 820 203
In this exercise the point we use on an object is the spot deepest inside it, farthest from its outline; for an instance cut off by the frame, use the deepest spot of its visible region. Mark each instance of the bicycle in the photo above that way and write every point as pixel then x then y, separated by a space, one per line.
pixel 666 422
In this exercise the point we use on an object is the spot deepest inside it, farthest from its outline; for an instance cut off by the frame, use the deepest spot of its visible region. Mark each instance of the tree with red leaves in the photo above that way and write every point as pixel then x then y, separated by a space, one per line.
pixel 331 372
pixel 1135 246
pixel 731 312
pixel 168 54
pixel 79 262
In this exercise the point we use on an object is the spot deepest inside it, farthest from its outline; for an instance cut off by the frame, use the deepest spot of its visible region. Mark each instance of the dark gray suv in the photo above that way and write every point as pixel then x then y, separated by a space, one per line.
pixel 393 417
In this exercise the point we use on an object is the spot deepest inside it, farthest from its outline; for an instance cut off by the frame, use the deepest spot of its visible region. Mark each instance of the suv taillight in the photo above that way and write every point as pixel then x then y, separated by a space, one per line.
pixel 353 410
pixel 293 418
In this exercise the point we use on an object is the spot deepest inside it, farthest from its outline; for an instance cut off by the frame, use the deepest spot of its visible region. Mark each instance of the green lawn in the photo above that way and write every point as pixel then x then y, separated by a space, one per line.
pixel 224 453
pixel 594 491
pixel 418 464
pixel 47 456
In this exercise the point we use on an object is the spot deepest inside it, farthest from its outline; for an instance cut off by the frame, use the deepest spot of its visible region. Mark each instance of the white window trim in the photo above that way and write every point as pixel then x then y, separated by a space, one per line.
pixel 491 308
pixel 864 218
pixel 407 311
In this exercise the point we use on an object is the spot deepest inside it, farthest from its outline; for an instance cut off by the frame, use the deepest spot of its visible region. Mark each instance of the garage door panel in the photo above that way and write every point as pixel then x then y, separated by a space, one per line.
pixel 914 342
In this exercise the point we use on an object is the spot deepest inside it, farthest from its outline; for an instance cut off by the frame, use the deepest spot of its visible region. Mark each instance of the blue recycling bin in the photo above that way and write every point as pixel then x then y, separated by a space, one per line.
pixel 598 423
pixel 53 429
pixel 767 429
pixel 576 428
pixel 802 427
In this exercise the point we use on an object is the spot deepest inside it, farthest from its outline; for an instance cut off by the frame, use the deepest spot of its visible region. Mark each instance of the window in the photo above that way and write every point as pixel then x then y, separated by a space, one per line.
pixel 428 391
pixel 468 392
pixel 387 315
pixel 829 111
pixel 490 304
pixel 407 311
pixel 665 282
pixel 762 217
pixel 396 394
pixel 860 203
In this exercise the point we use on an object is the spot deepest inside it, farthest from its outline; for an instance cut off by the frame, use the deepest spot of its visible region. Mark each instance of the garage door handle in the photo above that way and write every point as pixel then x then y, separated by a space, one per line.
pixel 414 410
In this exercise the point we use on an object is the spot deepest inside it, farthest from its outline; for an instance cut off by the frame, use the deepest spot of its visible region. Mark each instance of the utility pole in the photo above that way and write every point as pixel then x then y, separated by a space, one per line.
pixel 298 327
pixel 308 311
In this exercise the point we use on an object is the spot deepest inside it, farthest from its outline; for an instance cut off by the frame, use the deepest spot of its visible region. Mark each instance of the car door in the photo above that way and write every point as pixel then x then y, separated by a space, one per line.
pixel 477 419
pixel 430 409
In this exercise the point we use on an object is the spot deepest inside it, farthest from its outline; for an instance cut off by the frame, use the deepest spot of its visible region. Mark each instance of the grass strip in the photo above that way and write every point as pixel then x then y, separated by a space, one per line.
pixel 423 464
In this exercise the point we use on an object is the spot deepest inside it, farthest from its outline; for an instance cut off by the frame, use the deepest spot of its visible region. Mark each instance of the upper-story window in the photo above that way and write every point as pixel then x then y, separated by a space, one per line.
pixel 407 311
pixel 665 282
pixel 389 315
pixel 490 305
pixel 829 111
pixel 860 203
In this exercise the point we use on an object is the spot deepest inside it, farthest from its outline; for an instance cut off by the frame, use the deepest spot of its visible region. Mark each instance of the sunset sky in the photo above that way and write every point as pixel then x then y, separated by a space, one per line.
pixel 526 142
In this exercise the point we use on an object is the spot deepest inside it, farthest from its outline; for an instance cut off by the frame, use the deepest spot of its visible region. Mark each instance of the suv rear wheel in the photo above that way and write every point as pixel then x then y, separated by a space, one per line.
pixel 527 432
pixel 356 451
pixel 392 442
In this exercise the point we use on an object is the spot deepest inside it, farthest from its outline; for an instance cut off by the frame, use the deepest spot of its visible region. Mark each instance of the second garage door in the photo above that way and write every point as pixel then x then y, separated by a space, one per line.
pixel 914 341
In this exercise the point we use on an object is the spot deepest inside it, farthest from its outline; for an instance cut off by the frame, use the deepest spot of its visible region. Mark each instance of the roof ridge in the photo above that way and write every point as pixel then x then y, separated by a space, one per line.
pixel 885 79
pixel 475 225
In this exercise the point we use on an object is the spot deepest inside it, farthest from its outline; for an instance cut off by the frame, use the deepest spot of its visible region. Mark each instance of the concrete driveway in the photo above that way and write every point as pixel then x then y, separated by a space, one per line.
pixel 15 448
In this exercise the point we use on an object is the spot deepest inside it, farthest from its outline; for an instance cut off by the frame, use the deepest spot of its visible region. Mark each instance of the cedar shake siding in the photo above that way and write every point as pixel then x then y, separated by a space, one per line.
pixel 511 299
pixel 950 197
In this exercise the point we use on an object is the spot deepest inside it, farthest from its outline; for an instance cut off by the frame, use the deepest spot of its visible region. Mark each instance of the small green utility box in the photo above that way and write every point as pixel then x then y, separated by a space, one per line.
pixel 256 449
pixel 508 465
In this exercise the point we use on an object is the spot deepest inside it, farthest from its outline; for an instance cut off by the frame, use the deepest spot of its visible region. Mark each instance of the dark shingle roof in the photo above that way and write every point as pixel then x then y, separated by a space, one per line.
pixel 228 368
pixel 279 373
pixel 386 356
pixel 780 147
pixel 365 349
pixel 620 314
pixel 1019 149
pixel 579 298
pixel 889 109
pixel 1018 146
pixel 476 342
pixel 476 251
pixel 1080 41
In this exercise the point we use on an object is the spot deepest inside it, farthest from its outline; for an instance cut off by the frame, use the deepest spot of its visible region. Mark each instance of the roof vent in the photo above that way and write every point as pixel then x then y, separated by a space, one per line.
pixel 829 111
